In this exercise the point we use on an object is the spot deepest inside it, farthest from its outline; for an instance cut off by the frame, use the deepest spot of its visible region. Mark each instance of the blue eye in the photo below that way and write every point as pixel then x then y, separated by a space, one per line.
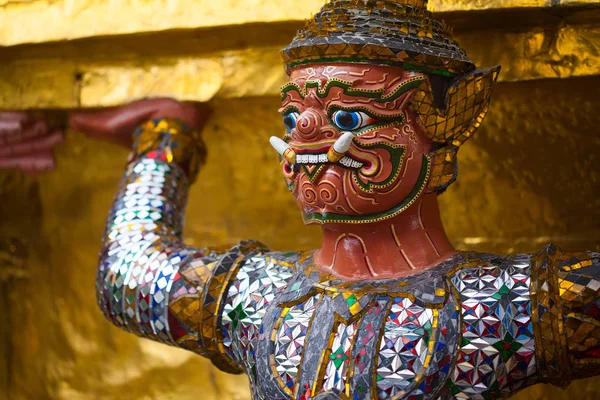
pixel 351 120
pixel 290 120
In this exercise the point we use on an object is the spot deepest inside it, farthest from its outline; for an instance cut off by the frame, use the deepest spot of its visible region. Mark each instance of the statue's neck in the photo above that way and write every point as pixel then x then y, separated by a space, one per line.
pixel 408 243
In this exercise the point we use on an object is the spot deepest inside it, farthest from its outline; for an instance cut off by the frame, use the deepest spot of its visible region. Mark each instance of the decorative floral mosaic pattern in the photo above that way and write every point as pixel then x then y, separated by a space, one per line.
pixel 416 349
pixel 253 289
pixel 290 338
pixel 403 350
pixel 497 351
pixel 336 373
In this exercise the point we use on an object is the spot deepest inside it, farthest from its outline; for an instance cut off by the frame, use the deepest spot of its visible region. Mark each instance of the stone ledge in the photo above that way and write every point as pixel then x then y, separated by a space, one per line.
pixel 72 80
pixel 233 61
pixel 40 21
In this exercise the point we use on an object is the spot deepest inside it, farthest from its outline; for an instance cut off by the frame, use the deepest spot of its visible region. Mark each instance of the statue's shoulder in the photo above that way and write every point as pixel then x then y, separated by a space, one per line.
pixel 554 258
pixel 248 254
pixel 258 263
pixel 485 272
pixel 565 291
pixel 471 272
pixel 248 263
pixel 572 275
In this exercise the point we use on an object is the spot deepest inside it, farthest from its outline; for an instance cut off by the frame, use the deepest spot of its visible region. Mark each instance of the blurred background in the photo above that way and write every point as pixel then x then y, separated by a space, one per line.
pixel 529 177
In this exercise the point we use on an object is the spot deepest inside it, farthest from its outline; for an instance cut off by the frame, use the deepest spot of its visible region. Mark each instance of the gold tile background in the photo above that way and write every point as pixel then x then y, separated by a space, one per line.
pixel 530 176
pixel 53 20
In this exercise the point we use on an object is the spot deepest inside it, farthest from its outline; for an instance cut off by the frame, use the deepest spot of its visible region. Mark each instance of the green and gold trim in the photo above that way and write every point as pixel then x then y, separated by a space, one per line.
pixel 379 95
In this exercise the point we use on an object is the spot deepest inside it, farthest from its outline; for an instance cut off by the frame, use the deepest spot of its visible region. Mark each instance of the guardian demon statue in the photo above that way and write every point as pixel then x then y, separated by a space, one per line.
pixel 379 100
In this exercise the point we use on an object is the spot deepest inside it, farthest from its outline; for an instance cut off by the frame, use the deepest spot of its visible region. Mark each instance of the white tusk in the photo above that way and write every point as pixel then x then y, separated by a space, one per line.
pixel 283 149
pixel 340 147
pixel 279 145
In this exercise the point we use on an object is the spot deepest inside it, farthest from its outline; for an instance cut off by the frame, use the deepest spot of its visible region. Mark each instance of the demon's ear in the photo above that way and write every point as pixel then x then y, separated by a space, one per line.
pixel 451 111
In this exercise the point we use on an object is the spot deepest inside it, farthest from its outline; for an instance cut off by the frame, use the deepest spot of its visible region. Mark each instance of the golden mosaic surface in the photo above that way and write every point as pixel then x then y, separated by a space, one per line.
pixel 51 20
pixel 558 42
pixel 529 176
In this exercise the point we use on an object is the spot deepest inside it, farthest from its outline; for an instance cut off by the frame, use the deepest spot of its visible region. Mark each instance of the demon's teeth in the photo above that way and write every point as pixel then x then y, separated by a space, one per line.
pixel 311 158
pixel 322 159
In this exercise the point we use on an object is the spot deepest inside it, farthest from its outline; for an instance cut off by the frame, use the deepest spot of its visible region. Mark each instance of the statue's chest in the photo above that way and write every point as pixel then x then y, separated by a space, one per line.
pixel 338 344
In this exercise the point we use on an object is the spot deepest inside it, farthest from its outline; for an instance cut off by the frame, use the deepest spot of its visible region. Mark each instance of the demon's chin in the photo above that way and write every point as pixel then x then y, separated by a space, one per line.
pixel 329 202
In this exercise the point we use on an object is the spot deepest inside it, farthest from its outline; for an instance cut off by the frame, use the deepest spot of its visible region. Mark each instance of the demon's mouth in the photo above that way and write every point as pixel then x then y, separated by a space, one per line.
pixel 373 165
pixel 322 216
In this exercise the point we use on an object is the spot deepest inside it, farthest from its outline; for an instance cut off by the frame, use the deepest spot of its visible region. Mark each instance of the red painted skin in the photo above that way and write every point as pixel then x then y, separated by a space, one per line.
pixel 411 241
pixel 335 189
pixel 27 143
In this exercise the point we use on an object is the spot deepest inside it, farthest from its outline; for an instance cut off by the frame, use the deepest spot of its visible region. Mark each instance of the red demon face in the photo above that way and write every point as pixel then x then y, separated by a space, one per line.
pixel 371 175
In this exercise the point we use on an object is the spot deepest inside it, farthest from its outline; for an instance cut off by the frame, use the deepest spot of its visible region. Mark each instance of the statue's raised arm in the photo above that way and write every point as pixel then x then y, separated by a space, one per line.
pixel 149 282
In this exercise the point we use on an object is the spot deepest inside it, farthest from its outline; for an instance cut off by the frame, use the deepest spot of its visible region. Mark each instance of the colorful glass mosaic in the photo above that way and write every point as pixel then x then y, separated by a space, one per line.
pixel 289 340
pixel 336 371
pixel 253 289
pixel 404 348
pixel 497 353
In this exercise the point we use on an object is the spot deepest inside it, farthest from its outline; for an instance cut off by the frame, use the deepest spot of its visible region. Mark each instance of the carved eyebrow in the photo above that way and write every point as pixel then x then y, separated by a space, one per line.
pixel 377 94
pixel 288 109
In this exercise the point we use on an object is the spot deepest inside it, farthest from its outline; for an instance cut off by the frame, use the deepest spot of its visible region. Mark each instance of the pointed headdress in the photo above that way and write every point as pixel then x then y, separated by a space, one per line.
pixel 396 32
pixel 451 104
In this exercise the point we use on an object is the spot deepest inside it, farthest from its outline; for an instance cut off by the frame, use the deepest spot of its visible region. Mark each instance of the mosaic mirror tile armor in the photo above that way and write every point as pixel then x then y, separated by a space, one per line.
pixel 477 326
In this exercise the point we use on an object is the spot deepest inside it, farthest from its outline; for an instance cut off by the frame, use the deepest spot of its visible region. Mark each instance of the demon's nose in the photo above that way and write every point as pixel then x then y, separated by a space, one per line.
pixel 309 125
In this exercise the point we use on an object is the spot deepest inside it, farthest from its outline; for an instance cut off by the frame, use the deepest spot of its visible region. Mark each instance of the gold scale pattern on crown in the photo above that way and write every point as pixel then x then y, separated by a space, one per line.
pixel 404 33
pixel 400 32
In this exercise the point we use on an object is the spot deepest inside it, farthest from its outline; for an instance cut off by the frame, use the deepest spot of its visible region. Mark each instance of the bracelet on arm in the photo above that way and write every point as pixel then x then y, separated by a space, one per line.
pixel 170 140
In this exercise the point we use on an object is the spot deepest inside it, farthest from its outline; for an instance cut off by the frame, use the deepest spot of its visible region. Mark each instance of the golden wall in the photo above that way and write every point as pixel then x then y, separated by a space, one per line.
pixel 530 176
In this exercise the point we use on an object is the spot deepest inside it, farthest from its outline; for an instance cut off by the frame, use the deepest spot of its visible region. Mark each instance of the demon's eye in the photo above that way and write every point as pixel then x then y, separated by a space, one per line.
pixel 351 120
pixel 290 119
